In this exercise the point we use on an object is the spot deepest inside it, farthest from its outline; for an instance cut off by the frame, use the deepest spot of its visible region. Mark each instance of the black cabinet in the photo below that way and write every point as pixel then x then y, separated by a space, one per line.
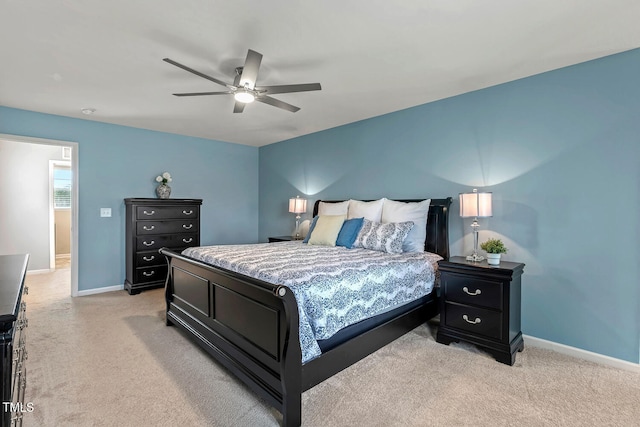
pixel 480 304
pixel 152 224
pixel 13 321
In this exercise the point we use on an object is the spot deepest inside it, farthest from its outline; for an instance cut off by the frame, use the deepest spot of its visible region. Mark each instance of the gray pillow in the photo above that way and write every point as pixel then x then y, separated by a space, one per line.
pixel 383 237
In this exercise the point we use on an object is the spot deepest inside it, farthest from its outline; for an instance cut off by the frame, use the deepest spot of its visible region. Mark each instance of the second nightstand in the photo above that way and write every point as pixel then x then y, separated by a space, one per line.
pixel 280 239
pixel 480 304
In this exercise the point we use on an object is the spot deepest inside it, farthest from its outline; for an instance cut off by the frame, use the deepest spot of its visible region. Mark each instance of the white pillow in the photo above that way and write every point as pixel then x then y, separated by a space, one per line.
pixel 326 230
pixel 367 210
pixel 416 212
pixel 385 237
pixel 340 208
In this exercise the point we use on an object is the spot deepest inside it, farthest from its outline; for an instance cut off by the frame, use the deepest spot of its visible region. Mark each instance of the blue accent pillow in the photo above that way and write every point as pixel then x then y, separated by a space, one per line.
pixel 311 227
pixel 349 232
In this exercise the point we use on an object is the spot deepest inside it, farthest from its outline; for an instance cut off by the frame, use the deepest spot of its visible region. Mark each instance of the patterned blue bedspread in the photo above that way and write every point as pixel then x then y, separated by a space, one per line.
pixel 334 287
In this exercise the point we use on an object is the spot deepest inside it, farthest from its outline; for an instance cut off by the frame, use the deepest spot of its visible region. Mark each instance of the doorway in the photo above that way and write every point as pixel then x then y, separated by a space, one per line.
pixel 27 223
pixel 61 186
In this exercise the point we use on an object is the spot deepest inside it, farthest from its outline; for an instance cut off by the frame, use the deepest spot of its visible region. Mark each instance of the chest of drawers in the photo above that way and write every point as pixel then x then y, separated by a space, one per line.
pixel 480 304
pixel 152 224
pixel 13 352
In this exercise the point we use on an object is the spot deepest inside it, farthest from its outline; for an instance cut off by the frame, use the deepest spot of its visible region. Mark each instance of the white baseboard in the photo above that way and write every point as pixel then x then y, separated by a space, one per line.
pixel 581 354
pixel 100 290
pixel 43 271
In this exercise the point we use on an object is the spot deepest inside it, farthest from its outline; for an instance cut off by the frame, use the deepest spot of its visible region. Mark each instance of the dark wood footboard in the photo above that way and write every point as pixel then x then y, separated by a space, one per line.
pixel 248 325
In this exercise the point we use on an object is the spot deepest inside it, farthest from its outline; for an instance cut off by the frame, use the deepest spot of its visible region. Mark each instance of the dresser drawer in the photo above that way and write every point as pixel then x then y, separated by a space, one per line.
pixel 468 290
pixel 18 396
pixel 147 243
pixel 166 227
pixel 167 212
pixel 149 258
pixel 18 369
pixel 151 274
pixel 185 240
pixel 478 321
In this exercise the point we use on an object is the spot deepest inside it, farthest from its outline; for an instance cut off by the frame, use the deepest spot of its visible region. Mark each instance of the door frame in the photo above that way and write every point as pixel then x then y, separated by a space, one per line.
pixel 75 180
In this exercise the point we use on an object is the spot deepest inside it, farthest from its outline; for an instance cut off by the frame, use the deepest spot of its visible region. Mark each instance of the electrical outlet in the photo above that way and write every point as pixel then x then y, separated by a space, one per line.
pixel 105 212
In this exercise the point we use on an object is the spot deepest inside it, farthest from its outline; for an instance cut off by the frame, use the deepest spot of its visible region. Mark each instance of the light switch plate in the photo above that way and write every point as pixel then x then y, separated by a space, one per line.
pixel 105 212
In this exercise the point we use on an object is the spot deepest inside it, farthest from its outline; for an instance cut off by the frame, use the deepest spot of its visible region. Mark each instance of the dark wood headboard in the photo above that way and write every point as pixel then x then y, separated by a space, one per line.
pixel 437 224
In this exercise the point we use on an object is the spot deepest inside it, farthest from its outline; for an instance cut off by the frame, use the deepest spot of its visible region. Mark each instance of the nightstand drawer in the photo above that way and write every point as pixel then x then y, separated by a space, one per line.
pixel 468 290
pixel 475 320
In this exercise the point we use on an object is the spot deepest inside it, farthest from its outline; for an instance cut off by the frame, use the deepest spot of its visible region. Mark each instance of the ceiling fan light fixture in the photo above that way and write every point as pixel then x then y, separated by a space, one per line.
pixel 244 89
pixel 244 96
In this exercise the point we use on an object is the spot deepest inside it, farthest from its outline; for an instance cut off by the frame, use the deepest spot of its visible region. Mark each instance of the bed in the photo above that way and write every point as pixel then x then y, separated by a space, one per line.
pixel 252 326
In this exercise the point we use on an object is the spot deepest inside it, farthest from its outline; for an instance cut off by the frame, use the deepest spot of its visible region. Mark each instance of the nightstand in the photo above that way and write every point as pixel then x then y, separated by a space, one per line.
pixel 280 239
pixel 480 304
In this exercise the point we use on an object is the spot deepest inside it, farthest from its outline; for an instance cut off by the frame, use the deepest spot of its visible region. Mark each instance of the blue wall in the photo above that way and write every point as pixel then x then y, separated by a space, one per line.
pixel 116 162
pixel 560 151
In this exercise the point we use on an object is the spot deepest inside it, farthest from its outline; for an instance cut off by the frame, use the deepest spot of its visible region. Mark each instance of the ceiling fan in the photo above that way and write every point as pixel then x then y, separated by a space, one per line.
pixel 244 87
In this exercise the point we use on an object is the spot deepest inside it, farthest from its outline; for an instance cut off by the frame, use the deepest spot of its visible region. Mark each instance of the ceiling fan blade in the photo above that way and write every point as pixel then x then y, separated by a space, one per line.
pixel 202 93
pixel 289 88
pixel 250 69
pixel 277 103
pixel 197 73
pixel 238 107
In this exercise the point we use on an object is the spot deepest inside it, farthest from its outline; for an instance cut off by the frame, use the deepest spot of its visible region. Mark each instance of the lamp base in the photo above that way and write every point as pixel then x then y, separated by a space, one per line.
pixel 475 258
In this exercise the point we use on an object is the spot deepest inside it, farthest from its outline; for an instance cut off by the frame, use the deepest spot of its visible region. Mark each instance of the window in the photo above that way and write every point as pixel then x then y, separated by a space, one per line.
pixel 61 188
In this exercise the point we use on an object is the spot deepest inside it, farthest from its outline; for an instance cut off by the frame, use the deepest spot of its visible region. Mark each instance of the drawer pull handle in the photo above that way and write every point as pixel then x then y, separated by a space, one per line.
pixel 144 227
pixel 466 291
pixel 149 213
pixel 151 258
pixel 187 227
pixel 188 212
pixel 189 240
pixel 148 273
pixel 26 290
pixel 149 244
pixel 473 322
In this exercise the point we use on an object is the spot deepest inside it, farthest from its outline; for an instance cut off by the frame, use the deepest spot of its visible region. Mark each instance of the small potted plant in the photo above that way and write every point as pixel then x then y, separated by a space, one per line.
pixel 493 247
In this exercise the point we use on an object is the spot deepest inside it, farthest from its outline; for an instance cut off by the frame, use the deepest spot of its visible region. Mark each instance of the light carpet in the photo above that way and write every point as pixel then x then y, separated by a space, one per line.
pixel 109 360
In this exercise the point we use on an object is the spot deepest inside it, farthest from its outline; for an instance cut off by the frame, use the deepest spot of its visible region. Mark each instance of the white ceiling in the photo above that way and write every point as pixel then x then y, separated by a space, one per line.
pixel 372 57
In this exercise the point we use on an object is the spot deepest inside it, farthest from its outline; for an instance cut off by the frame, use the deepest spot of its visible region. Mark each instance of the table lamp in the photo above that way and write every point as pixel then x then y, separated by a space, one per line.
pixel 297 206
pixel 476 205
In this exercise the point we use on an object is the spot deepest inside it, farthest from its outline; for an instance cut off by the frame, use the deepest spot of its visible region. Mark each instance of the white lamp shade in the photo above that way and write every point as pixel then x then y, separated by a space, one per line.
pixel 476 205
pixel 297 205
